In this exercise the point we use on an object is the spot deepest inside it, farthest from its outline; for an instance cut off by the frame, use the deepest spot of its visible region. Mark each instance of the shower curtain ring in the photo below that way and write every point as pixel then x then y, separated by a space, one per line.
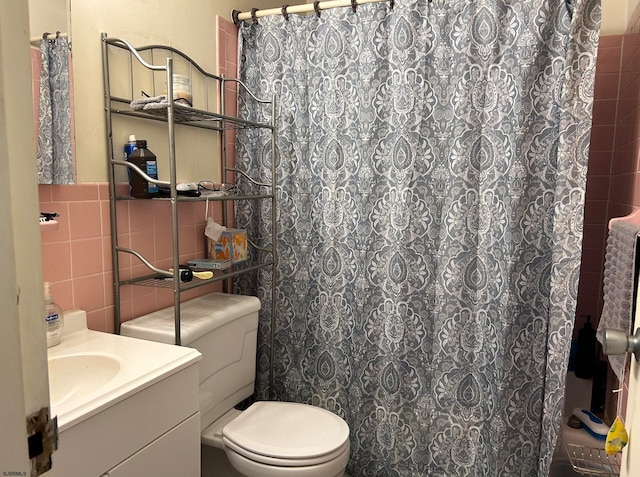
pixel 316 8
pixel 354 5
pixel 57 34
pixel 392 3
pixel 254 18
pixel 284 12
pixel 235 18
pixel 45 35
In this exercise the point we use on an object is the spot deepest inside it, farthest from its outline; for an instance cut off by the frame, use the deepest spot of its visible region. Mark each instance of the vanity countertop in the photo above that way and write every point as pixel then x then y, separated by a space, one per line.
pixel 90 371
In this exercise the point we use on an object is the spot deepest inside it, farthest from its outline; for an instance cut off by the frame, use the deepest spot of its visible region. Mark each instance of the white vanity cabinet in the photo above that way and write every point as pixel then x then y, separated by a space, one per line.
pixel 155 431
pixel 182 442
pixel 141 420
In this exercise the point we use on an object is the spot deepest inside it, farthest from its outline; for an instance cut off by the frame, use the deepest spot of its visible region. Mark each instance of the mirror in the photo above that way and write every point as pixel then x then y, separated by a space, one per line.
pixel 52 90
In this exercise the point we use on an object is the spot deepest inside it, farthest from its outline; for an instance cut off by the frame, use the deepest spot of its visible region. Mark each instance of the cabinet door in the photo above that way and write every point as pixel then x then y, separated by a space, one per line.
pixel 175 453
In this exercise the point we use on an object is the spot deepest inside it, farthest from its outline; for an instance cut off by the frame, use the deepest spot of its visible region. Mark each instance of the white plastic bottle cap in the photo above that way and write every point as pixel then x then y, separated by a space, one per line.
pixel 132 138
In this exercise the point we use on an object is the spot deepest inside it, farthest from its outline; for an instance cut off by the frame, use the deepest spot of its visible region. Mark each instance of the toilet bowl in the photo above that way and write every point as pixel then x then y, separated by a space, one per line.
pixel 283 439
pixel 269 438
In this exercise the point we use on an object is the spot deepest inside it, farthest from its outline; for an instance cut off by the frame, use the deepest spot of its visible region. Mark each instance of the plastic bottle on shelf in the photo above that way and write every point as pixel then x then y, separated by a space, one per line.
pixel 146 161
pixel 52 317
pixel 129 147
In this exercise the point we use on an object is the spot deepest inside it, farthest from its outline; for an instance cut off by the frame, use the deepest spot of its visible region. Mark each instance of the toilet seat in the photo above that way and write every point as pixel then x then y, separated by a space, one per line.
pixel 287 434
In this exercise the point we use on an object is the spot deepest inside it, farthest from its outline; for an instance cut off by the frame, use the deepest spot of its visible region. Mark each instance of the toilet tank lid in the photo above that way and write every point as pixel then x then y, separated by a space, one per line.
pixel 198 317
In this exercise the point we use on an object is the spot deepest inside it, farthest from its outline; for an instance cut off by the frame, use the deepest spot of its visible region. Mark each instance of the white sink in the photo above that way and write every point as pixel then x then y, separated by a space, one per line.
pixel 77 375
pixel 90 371
pixel 123 404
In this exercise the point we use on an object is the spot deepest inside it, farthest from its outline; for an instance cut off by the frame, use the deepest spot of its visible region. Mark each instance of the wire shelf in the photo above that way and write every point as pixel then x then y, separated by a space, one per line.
pixel 186 115
pixel 592 461
pixel 157 281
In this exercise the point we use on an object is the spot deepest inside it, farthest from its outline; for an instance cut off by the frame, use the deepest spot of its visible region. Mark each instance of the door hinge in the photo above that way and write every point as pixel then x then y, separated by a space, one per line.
pixel 42 432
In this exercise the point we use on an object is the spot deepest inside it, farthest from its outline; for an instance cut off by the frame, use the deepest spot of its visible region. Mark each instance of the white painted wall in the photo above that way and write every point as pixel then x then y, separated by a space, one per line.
pixel 188 25
pixel 48 15
pixel 616 16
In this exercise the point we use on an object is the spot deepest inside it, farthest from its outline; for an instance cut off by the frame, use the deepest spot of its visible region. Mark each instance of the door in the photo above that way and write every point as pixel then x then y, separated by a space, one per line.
pixel 631 453
pixel 23 353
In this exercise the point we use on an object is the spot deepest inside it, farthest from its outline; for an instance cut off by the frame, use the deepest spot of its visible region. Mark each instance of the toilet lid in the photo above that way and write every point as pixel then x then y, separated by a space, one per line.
pixel 287 434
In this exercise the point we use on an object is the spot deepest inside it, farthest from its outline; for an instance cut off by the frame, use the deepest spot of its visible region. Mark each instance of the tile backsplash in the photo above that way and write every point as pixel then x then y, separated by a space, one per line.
pixel 76 257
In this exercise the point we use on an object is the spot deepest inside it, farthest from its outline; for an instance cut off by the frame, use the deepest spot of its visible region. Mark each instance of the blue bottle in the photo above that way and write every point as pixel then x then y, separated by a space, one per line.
pixel 129 147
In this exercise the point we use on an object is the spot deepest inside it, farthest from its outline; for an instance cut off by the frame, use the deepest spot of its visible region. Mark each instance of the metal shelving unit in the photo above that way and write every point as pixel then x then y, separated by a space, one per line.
pixel 209 117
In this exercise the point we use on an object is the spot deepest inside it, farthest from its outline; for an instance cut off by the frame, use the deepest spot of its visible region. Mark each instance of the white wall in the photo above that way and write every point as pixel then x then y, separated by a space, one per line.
pixel 616 15
pixel 188 25
pixel 48 16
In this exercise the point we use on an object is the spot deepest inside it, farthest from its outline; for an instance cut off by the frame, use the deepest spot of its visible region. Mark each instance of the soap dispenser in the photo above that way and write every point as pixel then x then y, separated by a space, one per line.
pixel 52 318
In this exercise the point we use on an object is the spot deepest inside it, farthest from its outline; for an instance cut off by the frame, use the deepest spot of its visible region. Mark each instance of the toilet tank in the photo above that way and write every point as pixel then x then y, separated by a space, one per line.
pixel 224 329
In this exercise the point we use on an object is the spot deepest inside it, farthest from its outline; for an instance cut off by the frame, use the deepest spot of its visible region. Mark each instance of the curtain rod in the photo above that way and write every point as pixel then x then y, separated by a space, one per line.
pixel 256 13
pixel 35 40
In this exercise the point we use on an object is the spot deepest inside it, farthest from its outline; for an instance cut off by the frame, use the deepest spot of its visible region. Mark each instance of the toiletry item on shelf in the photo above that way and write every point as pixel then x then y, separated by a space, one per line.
pixel 146 161
pixel 186 274
pixel 52 318
pixel 129 147
pixel 232 245
pixel 182 89
pixel 209 263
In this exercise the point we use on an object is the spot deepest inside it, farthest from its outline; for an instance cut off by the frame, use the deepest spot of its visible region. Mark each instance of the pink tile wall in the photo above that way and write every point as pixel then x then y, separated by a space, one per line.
pixel 76 258
pixel 227 41
pixel 601 157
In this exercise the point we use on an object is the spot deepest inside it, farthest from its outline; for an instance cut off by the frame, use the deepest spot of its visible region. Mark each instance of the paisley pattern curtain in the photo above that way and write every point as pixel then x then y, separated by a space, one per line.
pixel 431 174
pixel 55 148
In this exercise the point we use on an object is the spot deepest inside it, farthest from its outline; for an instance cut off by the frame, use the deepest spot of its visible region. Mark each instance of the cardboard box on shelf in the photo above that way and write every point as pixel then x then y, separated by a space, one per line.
pixel 232 245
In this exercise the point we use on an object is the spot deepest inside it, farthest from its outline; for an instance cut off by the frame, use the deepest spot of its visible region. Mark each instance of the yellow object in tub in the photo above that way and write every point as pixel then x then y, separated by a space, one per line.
pixel 617 437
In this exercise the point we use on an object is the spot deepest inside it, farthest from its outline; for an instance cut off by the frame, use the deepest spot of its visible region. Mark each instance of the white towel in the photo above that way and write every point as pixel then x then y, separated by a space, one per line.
pixel 156 103
pixel 139 104
pixel 619 285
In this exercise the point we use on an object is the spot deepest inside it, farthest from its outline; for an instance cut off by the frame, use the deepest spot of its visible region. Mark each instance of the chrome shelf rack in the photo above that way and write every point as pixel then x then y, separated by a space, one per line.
pixel 211 117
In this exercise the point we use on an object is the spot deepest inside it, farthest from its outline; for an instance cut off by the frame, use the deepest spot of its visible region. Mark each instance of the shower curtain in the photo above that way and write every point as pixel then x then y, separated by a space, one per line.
pixel 431 164
pixel 55 151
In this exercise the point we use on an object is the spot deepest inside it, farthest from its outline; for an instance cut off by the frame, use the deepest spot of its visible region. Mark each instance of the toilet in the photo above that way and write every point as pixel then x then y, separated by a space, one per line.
pixel 577 394
pixel 269 438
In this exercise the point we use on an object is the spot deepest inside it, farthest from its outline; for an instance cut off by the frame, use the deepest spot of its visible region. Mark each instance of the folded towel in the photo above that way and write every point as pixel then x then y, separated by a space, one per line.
pixel 139 104
pixel 619 285
pixel 155 103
